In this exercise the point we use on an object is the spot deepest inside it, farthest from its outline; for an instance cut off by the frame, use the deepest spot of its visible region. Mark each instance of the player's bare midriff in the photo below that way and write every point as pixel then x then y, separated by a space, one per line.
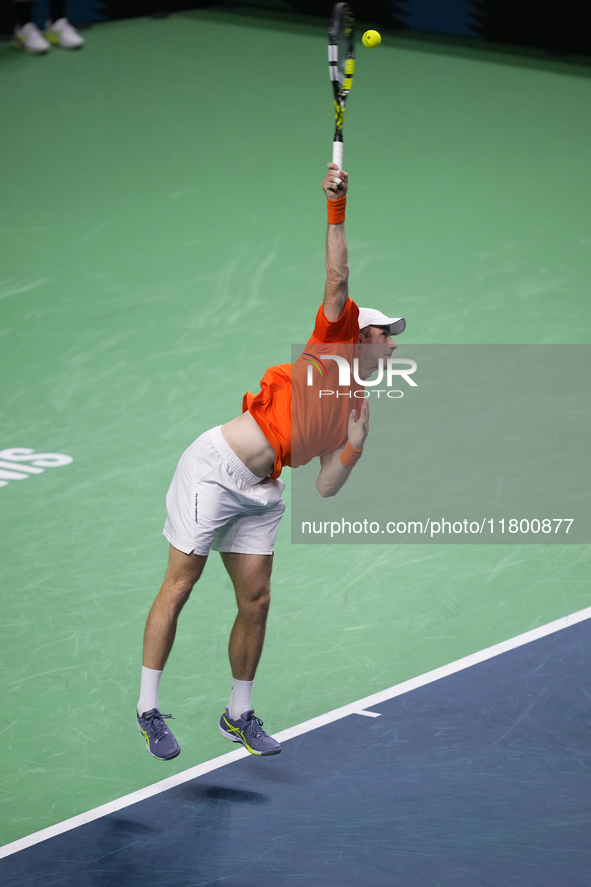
pixel 244 436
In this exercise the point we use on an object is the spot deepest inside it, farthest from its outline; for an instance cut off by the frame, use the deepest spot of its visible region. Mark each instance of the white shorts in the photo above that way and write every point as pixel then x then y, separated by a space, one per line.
pixel 214 501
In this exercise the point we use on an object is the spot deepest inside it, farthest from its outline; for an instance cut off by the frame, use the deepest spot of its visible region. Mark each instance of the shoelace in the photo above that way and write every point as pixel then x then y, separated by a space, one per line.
pixel 256 726
pixel 158 726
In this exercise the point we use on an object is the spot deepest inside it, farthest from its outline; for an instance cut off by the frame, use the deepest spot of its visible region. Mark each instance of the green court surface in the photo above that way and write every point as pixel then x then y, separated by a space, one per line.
pixel 162 235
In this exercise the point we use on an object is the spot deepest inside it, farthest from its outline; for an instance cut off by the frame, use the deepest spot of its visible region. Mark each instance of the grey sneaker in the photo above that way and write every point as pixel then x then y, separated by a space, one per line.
pixel 248 730
pixel 159 740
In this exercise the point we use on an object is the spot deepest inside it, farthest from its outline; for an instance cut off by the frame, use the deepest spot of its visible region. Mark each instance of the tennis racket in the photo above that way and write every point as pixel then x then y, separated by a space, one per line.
pixel 341 65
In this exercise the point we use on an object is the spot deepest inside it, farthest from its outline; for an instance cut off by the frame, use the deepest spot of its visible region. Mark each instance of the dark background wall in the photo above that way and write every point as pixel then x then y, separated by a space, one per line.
pixel 557 26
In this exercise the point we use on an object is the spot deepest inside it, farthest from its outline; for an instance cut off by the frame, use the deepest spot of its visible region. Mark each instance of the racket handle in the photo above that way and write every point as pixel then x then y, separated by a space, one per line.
pixel 337 154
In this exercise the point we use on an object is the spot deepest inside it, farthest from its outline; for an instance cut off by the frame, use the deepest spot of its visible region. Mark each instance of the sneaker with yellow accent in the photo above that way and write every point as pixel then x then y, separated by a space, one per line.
pixel 159 740
pixel 61 33
pixel 29 39
pixel 248 730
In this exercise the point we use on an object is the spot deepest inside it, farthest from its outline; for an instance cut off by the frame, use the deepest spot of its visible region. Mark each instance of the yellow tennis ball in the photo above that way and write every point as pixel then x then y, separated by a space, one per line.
pixel 371 39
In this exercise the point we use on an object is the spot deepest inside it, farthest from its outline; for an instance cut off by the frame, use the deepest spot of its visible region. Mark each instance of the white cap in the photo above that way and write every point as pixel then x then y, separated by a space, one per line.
pixel 371 317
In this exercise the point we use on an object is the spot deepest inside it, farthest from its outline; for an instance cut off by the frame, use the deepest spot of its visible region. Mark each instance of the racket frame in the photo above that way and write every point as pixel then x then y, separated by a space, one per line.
pixel 342 25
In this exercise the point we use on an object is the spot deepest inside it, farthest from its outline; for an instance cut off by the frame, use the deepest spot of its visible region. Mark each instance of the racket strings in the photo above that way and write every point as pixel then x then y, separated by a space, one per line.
pixel 341 56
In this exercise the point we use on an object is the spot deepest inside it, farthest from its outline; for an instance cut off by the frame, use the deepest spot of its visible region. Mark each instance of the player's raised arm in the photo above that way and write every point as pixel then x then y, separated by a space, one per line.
pixel 336 291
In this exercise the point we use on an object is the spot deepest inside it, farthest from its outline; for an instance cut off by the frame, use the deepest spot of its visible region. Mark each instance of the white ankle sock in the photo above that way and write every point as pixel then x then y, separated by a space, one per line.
pixel 239 698
pixel 148 690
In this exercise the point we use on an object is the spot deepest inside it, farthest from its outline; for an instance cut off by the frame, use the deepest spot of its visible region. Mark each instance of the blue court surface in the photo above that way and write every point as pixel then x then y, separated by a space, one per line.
pixel 482 777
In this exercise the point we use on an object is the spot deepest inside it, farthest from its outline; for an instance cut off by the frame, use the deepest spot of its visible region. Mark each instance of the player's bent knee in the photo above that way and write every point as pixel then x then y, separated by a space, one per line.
pixel 256 604
pixel 263 603
pixel 176 592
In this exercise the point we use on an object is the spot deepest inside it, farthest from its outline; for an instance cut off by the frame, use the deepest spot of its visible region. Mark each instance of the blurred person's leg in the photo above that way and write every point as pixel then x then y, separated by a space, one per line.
pixel 58 29
pixel 27 35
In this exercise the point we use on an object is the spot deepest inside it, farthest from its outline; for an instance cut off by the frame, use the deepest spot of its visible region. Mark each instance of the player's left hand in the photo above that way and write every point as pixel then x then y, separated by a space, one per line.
pixel 359 428
pixel 336 182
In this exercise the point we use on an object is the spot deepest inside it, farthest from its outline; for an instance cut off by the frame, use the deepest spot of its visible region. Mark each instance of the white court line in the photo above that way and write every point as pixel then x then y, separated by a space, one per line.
pixel 335 715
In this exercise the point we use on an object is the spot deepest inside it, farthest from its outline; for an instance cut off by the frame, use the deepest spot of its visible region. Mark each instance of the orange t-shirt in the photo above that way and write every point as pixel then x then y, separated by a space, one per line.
pixel 298 422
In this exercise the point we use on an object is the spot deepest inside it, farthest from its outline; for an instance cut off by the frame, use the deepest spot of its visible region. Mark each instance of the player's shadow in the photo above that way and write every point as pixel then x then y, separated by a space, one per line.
pixel 183 836
pixel 215 794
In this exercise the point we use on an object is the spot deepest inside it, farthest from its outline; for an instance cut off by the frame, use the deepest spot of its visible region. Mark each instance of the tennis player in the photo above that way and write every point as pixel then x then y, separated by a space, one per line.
pixel 226 493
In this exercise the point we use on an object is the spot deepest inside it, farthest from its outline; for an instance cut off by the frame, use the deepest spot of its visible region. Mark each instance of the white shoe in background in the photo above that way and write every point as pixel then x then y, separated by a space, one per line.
pixel 30 39
pixel 61 33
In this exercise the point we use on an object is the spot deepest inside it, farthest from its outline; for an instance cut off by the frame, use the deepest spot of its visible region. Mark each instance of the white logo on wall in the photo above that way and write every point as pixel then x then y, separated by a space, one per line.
pixel 19 463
